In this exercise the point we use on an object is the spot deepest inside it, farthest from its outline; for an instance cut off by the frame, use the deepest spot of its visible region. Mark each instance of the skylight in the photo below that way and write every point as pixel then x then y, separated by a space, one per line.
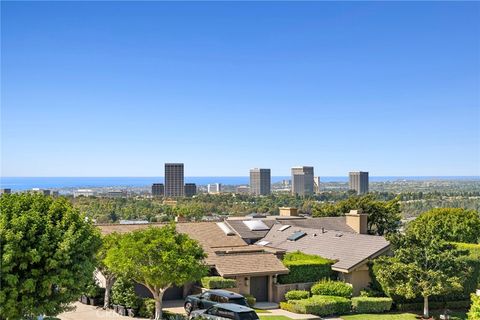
pixel 297 235
pixel 225 228
pixel 256 225
pixel 263 243
pixel 283 228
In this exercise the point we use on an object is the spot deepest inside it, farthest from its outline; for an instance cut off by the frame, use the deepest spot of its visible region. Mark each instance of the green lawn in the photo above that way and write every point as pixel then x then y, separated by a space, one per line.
pixel 261 311
pixel 455 315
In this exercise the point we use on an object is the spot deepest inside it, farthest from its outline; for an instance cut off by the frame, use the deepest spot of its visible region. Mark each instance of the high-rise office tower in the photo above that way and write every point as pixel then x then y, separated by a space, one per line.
pixel 316 184
pixel 174 180
pixel 260 182
pixel 190 189
pixel 214 188
pixel 358 181
pixel 302 180
pixel 158 189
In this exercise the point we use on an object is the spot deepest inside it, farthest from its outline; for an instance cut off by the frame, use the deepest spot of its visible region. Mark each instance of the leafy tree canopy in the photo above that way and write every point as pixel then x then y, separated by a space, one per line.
pixel 383 216
pixel 158 258
pixel 47 253
pixel 450 224
pixel 421 266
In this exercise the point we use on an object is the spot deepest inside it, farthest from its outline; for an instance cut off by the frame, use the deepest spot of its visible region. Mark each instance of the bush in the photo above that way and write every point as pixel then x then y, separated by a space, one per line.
pixel 371 304
pixel 305 268
pixel 297 295
pixel 218 283
pixel 147 308
pixel 368 292
pixel 332 288
pixel 123 293
pixel 319 305
pixel 474 313
pixel 251 300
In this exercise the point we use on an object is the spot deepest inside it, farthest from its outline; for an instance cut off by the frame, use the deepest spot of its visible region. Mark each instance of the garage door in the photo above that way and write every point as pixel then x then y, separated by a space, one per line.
pixel 173 293
pixel 259 288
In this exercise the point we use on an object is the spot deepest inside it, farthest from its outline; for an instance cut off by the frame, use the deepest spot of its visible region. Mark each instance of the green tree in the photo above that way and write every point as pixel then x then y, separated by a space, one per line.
pixel 109 241
pixel 421 266
pixel 474 312
pixel 47 253
pixel 158 258
pixel 450 224
pixel 383 216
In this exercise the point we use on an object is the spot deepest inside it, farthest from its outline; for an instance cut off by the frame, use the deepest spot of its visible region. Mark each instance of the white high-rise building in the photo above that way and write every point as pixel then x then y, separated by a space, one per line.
pixel 358 181
pixel 214 188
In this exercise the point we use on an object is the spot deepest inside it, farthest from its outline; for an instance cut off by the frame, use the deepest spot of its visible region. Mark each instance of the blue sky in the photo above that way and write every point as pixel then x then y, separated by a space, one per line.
pixel 119 88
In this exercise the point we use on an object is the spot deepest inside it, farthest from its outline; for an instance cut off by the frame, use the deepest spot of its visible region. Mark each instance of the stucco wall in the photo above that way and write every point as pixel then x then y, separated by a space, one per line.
pixel 359 279
pixel 279 290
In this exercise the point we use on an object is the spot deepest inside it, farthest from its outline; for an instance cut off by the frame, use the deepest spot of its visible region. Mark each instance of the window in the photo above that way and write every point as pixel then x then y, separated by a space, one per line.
pixel 256 225
pixel 251 315
pixel 226 314
pixel 239 301
pixel 297 235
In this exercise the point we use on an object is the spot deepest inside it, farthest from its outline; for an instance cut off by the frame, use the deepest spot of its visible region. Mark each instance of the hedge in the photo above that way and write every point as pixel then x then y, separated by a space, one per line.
pixel 297 295
pixel 332 288
pixel 305 268
pixel 474 313
pixel 371 304
pixel 434 305
pixel 318 305
pixel 218 283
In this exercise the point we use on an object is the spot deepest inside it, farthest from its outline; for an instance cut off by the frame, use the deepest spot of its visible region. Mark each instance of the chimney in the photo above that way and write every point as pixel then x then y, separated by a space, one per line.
pixel 288 211
pixel 357 221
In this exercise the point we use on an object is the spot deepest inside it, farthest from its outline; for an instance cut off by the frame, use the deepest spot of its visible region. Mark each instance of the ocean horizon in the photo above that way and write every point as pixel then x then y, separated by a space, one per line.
pixel 26 183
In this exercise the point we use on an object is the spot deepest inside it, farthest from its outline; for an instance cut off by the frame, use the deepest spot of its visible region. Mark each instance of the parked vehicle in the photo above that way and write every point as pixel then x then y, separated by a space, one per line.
pixel 211 297
pixel 222 311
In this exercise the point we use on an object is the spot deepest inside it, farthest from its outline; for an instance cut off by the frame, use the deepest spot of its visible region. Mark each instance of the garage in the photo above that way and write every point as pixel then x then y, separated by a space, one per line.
pixel 259 288
pixel 173 293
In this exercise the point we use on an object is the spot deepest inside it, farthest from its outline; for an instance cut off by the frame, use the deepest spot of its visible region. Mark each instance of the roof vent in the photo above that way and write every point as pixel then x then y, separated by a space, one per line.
pixel 297 235
pixel 283 228
pixel 256 225
pixel 225 228
pixel 338 235
pixel 263 243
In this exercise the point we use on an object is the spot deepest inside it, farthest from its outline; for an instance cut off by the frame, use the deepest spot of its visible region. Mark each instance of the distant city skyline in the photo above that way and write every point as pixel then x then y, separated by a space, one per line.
pixel 227 86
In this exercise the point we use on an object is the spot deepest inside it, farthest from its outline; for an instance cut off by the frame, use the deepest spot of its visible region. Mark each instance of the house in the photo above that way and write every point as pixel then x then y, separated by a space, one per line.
pixel 254 268
pixel 347 244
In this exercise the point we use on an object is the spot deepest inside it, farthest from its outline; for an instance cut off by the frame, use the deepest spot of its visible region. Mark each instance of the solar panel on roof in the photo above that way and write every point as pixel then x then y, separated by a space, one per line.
pixel 297 235
pixel 283 228
pixel 256 225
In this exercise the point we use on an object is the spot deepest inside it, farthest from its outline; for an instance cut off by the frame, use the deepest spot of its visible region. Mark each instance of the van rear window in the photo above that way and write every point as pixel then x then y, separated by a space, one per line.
pixel 251 315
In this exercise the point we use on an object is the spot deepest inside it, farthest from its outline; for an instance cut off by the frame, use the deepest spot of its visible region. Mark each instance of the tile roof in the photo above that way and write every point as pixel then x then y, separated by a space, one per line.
pixel 245 233
pixel 348 249
pixel 230 255
pixel 328 223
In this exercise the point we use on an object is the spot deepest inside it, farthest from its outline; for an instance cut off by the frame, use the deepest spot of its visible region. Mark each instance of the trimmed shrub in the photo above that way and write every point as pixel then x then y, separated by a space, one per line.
pixel 251 300
pixel 218 283
pixel 332 288
pixel 368 292
pixel 319 305
pixel 474 313
pixel 305 268
pixel 371 304
pixel 147 308
pixel 297 295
